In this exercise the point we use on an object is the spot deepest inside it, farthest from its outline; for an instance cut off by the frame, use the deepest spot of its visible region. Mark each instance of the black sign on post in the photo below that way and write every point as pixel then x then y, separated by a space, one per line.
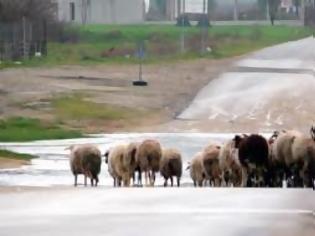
pixel 140 54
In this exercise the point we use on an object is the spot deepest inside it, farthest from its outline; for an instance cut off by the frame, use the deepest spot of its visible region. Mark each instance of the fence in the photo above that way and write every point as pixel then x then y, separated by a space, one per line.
pixel 309 16
pixel 22 40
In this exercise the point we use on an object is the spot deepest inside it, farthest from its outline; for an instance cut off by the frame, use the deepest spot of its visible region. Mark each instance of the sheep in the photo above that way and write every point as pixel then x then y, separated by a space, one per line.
pixel 280 144
pixel 196 170
pixel 85 159
pixel 303 159
pixel 130 162
pixel 230 165
pixel 293 154
pixel 148 157
pixel 253 152
pixel 288 150
pixel 210 164
pixel 114 158
pixel 171 165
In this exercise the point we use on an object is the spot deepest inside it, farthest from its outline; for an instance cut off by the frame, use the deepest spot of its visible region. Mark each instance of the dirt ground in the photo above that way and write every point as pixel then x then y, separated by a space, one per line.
pixel 6 163
pixel 172 86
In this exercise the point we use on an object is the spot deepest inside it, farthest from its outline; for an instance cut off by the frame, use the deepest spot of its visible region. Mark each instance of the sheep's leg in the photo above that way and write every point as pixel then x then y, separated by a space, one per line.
pixel 134 178
pixel 165 182
pixel 115 182
pixel 146 177
pixel 195 183
pixel 85 180
pixel 178 181
pixel 244 177
pixel 152 178
pixel 140 178
pixel 172 183
pixel 200 183
pixel 96 181
pixel 92 182
pixel 75 180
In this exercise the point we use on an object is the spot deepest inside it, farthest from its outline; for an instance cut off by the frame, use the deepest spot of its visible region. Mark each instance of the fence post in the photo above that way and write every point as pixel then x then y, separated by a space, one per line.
pixel 24 38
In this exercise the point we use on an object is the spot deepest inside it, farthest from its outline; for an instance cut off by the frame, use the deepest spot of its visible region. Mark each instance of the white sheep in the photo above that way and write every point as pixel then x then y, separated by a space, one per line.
pixel 230 165
pixel 196 170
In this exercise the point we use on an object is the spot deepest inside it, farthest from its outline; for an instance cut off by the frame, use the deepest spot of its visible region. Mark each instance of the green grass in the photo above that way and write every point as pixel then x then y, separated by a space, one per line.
pixel 19 129
pixel 74 107
pixel 162 42
pixel 15 156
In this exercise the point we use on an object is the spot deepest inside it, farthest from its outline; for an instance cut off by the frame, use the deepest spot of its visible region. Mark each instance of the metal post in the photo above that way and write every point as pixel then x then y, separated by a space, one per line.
pixel 182 40
pixel 267 10
pixel 24 38
pixel 303 12
pixel 236 10
pixel 204 29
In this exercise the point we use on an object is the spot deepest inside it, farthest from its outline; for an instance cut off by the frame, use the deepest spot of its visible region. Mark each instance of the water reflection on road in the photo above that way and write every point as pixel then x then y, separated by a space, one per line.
pixel 52 166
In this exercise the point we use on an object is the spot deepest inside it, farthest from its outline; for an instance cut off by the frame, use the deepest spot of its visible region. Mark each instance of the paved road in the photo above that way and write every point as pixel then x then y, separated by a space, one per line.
pixel 270 89
pixel 148 211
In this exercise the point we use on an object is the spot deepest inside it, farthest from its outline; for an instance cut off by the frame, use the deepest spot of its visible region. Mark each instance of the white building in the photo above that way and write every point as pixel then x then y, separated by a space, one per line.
pixel 101 11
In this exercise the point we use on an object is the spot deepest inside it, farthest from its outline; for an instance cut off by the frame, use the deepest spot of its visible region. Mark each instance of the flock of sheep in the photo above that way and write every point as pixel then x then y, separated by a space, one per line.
pixel 287 157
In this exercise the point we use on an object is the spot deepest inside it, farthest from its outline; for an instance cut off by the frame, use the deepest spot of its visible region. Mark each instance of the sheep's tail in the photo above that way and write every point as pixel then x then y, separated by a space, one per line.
pixel 175 166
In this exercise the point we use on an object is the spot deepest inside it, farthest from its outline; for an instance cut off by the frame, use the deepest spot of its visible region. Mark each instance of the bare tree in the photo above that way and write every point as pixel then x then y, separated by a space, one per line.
pixel 15 10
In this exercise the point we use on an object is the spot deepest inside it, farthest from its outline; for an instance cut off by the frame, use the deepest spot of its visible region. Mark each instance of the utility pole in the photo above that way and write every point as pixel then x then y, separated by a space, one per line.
pixel 24 38
pixel 182 40
pixel 303 12
pixel 236 10
pixel 267 10
pixel 204 28
pixel 179 6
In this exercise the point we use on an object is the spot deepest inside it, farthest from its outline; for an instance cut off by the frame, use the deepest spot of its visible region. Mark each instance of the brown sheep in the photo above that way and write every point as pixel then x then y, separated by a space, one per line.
pixel 196 170
pixel 171 165
pixel 149 156
pixel 211 166
pixel 230 165
pixel 85 159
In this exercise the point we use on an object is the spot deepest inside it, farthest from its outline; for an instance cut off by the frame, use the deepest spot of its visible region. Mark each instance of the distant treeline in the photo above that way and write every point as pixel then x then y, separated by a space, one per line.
pixel 15 10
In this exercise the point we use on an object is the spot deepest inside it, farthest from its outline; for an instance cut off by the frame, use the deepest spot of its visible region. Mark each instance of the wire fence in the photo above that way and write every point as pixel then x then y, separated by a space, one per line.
pixel 22 40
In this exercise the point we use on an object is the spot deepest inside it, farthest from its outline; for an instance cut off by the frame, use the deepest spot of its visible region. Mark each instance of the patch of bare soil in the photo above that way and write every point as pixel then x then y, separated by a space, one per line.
pixel 6 163
pixel 172 86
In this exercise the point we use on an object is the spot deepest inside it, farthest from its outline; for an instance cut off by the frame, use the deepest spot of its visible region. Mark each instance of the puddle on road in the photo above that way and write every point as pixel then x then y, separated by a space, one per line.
pixel 52 166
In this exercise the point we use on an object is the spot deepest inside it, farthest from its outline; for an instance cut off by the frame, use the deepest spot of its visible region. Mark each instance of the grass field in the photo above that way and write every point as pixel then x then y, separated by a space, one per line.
pixel 77 107
pixel 15 156
pixel 117 44
pixel 18 129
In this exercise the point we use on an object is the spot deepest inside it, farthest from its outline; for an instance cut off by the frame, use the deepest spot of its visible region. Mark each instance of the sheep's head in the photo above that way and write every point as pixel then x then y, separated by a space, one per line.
pixel 273 137
pixel 106 156
pixel 237 140
pixel 71 147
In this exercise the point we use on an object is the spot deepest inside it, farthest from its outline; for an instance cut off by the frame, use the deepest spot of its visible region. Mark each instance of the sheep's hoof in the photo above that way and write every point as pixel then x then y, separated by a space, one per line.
pixel 140 83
